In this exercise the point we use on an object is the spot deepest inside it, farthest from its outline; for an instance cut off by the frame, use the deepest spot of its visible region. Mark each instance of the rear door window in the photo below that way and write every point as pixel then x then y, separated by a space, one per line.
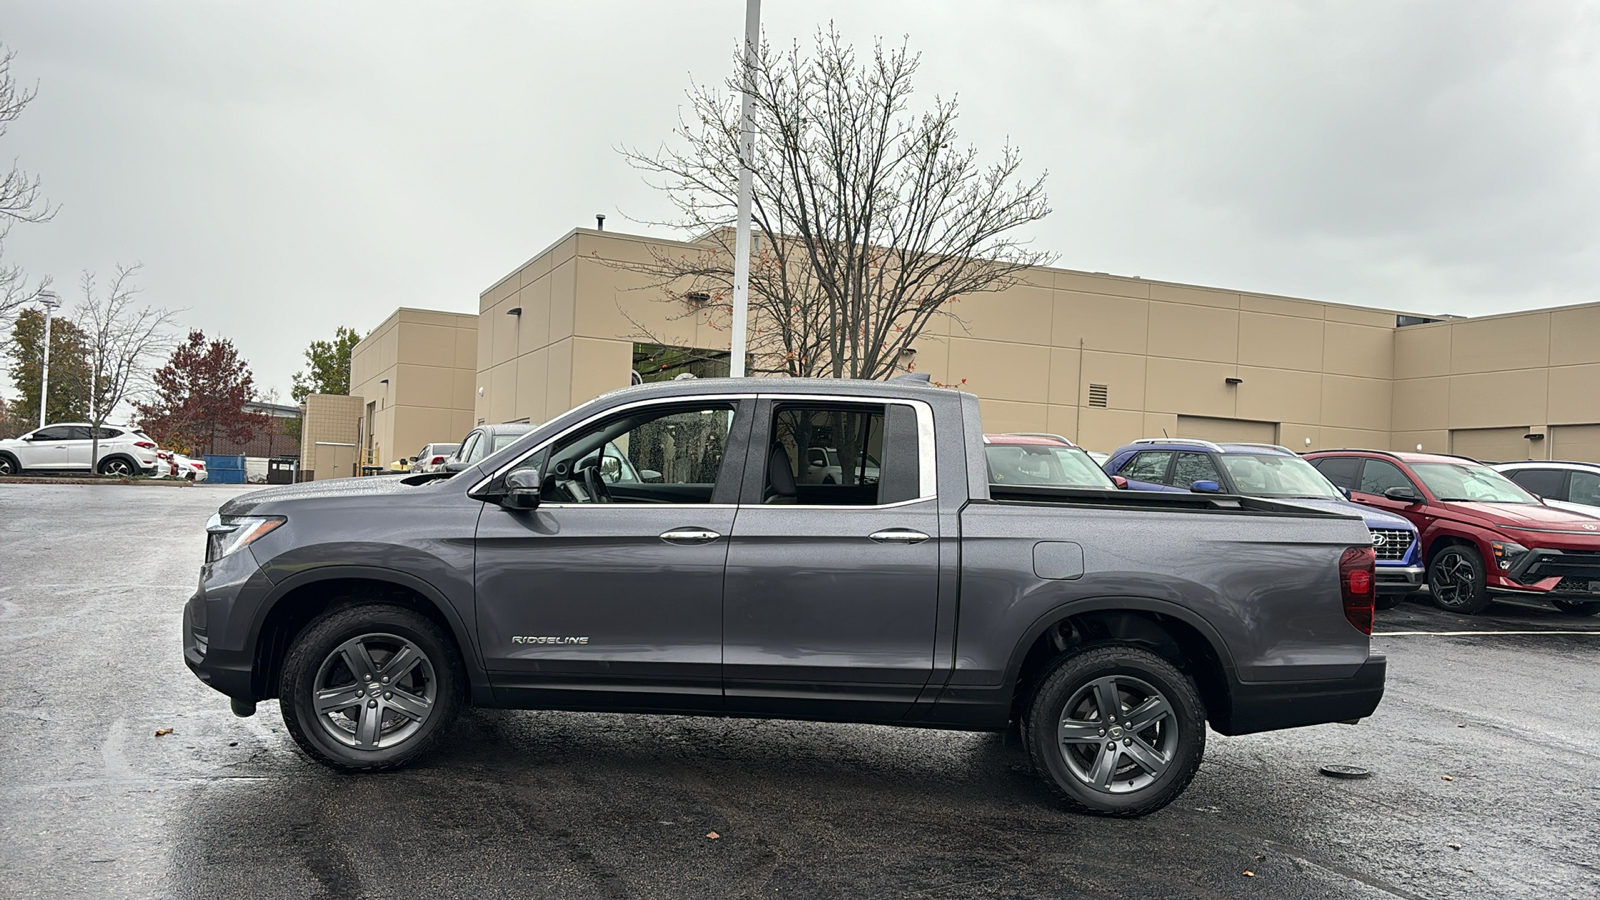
pixel 1378 476
pixel 1148 465
pixel 1585 488
pixel 1548 483
pixel 1343 471
pixel 1192 467
pixel 78 433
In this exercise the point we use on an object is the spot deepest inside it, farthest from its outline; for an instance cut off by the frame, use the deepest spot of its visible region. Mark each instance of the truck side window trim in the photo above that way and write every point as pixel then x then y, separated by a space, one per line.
pixel 927 454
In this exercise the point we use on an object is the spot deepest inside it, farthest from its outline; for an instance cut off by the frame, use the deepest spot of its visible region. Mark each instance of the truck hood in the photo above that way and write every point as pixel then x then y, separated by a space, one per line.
pixel 1531 517
pixel 1375 518
pixel 370 486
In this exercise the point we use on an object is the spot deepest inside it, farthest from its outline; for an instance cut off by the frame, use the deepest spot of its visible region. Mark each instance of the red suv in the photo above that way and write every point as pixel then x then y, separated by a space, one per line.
pixel 1482 535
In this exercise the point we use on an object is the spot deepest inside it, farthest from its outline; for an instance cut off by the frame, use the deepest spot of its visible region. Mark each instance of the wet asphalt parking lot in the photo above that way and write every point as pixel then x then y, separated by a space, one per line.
pixel 1486 773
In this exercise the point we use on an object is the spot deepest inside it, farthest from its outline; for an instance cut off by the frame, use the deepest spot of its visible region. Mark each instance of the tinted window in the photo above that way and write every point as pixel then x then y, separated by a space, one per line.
pixel 1378 476
pixel 1342 471
pixel 1150 465
pixel 1194 467
pixel 1585 488
pixel 1548 483
pixel 845 450
pixel 53 433
pixel 683 449
pixel 77 432
pixel 107 434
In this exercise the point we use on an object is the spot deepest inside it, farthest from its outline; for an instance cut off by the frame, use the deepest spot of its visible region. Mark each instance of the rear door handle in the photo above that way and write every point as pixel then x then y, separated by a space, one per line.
pixel 689 536
pixel 898 536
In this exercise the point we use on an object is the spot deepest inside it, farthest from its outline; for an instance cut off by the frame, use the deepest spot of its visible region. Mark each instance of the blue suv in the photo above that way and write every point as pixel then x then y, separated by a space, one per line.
pixel 1278 473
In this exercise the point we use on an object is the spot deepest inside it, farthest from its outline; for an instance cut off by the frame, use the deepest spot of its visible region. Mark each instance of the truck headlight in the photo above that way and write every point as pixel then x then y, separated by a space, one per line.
pixel 1506 553
pixel 234 533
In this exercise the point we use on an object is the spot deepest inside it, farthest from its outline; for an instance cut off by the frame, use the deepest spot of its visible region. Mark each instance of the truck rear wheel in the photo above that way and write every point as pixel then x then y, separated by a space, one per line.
pixel 1115 731
pixel 370 687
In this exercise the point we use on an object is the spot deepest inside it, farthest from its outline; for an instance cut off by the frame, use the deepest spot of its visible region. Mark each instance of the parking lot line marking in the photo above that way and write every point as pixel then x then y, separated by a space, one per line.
pixel 1472 633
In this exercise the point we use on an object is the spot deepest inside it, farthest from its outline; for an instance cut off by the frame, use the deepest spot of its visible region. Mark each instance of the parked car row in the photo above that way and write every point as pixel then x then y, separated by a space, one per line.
pixel 1461 530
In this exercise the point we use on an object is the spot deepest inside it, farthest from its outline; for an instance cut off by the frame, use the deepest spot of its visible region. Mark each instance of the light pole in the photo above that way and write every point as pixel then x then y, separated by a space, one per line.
pixel 50 302
pixel 747 153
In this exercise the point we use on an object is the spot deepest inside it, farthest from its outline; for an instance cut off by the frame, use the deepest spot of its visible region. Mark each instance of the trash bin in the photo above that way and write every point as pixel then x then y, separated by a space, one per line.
pixel 281 469
pixel 225 469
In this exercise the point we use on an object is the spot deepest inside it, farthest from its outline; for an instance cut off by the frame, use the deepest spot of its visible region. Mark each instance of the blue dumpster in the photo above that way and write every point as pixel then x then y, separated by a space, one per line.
pixel 225 469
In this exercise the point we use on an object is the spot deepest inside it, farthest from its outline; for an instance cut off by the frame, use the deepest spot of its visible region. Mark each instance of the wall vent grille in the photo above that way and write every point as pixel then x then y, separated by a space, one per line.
pixel 1097 395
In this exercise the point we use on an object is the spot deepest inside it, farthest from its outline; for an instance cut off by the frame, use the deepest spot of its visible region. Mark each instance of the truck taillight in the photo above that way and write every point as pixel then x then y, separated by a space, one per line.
pixel 1357 586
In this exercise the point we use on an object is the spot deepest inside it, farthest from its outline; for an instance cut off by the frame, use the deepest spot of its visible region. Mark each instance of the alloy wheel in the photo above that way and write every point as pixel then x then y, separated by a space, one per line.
pixel 374 691
pixel 6 466
pixel 118 467
pixel 1454 581
pixel 1118 734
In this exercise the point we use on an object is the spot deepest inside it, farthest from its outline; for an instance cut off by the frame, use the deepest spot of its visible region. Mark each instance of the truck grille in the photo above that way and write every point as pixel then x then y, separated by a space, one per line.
pixel 1391 544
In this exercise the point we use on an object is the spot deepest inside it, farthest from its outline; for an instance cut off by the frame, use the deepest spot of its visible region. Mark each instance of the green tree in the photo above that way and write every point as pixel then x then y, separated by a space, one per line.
pixel 328 363
pixel 69 369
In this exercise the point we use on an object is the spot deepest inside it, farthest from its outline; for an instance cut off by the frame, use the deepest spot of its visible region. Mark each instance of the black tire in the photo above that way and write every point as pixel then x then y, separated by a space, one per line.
pixel 333 737
pixel 1456 580
pixel 118 466
pixel 1069 765
pixel 1387 601
pixel 1578 607
pixel 9 465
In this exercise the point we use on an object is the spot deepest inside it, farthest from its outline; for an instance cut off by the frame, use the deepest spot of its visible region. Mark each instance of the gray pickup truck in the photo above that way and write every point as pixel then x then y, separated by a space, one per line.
pixel 1110 626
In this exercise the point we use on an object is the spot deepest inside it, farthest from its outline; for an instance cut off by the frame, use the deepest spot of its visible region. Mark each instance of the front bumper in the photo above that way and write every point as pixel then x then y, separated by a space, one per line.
pixel 1552 573
pixel 1271 705
pixel 1399 579
pixel 218 622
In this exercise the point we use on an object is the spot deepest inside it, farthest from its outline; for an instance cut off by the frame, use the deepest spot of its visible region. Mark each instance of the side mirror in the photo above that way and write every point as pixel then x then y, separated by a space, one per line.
pixel 523 488
pixel 650 476
pixel 1402 493
pixel 455 465
pixel 1206 486
pixel 1120 482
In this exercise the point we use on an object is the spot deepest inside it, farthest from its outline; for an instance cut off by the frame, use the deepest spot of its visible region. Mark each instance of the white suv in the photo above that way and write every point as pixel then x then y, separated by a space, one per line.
pixel 66 447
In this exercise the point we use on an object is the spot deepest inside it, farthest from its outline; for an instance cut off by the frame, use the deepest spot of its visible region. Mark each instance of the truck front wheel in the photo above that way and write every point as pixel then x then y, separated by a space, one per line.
pixel 1115 731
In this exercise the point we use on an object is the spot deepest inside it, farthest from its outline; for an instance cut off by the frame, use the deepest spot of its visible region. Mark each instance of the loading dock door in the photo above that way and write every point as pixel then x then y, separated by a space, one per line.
pixel 1491 444
pixel 1580 443
pixel 1223 430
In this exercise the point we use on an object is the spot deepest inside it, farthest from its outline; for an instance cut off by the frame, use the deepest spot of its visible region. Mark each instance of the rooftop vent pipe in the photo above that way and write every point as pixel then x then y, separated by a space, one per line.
pixel 599 221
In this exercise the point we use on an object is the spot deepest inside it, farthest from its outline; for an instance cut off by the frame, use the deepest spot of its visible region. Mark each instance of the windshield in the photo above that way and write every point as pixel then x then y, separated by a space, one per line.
pixel 1470 483
pixel 1043 464
pixel 1277 476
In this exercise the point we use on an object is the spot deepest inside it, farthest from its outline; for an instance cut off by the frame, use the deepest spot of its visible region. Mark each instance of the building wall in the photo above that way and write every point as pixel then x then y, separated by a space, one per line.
pixel 1313 374
pixel 330 419
pixel 430 362
pixel 1478 386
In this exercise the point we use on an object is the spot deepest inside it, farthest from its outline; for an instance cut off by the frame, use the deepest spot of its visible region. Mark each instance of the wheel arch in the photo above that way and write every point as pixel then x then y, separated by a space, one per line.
pixel 116 455
pixel 300 598
pixel 1170 631
pixel 16 464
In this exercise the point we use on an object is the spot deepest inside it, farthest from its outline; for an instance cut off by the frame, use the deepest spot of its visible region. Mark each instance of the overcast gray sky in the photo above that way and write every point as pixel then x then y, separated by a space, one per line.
pixel 284 168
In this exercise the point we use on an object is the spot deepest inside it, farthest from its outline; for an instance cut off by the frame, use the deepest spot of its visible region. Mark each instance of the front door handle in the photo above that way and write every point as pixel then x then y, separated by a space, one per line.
pixel 689 536
pixel 898 536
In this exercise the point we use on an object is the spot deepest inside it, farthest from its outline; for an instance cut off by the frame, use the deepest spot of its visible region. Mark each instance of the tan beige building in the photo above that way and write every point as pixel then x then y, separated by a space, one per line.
pixel 1101 359
pixel 416 375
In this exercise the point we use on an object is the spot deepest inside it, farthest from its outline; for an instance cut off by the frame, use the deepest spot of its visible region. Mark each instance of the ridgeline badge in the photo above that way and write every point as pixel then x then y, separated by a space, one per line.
pixel 536 639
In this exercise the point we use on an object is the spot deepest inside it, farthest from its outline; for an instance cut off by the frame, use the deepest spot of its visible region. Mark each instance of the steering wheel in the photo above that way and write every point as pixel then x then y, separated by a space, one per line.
pixel 593 484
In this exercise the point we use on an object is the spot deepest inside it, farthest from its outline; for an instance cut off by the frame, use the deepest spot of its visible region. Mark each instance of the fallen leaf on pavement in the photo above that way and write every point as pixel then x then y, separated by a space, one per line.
pixel 713 835
pixel 1447 778
pixel 1453 846
pixel 1249 874
pixel 162 731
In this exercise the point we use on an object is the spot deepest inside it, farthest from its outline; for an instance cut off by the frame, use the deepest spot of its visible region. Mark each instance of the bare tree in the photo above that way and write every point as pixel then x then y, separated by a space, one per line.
pixel 19 200
pixel 870 219
pixel 124 340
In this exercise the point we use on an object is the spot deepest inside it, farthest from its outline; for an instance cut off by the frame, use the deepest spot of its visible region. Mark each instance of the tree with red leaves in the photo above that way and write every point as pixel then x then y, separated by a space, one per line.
pixel 200 396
